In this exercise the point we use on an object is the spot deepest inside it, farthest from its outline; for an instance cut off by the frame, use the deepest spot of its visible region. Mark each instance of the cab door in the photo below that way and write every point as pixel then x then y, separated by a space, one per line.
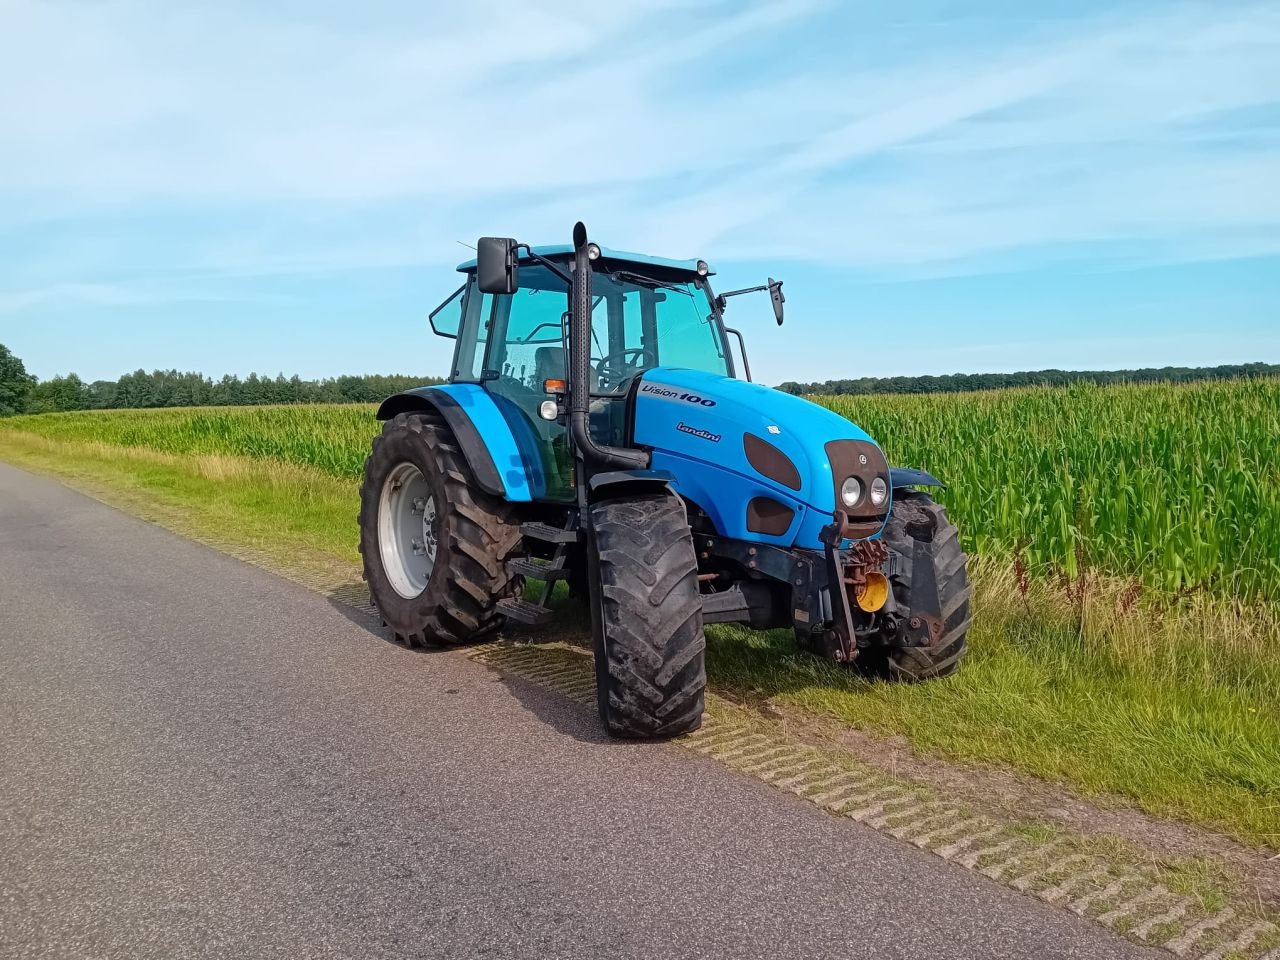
pixel 526 348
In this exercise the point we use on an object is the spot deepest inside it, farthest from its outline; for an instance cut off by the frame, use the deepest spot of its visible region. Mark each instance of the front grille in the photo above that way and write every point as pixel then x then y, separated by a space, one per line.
pixel 861 459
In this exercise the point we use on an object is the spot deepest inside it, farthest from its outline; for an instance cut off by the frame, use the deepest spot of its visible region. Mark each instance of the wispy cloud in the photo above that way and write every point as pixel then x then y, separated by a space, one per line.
pixel 1112 132
pixel 800 130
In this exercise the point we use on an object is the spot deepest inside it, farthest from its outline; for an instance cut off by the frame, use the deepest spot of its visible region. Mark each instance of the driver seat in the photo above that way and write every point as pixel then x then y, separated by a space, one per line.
pixel 548 364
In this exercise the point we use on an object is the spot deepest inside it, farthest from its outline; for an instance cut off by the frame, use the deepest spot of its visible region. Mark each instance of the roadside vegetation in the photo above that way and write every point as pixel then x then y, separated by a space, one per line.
pixel 1126 541
pixel 1174 487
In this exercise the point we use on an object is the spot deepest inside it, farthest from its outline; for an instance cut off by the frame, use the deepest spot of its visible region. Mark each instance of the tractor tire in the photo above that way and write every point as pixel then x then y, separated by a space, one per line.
pixel 646 617
pixel 919 532
pixel 434 544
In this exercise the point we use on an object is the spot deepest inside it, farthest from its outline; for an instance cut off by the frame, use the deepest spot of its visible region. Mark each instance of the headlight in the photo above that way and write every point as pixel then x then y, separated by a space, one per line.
pixel 851 491
pixel 879 491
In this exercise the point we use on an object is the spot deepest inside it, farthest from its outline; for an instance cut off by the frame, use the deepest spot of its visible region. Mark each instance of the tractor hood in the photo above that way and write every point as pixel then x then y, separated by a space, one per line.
pixel 741 450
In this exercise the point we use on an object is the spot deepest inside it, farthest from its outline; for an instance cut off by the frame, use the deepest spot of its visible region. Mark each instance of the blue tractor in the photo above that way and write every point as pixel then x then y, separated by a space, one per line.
pixel 595 429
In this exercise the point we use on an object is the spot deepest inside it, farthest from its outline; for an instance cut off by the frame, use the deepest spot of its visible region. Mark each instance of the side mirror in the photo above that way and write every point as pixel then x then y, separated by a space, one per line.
pixel 775 294
pixel 497 266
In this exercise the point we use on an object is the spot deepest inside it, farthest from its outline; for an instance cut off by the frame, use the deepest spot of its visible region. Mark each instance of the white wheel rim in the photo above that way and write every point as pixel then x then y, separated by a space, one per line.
pixel 407 530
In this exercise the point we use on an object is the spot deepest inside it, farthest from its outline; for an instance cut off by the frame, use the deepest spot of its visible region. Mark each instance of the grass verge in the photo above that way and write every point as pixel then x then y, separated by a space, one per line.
pixel 1174 708
pixel 295 518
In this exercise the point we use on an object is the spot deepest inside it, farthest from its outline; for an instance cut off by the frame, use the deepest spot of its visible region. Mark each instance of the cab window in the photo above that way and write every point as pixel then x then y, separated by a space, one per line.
pixel 473 333
pixel 529 348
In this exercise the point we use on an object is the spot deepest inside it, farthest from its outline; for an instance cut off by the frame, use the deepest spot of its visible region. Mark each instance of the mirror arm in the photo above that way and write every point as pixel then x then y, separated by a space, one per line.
pixel 721 298
pixel 554 268
pixel 775 292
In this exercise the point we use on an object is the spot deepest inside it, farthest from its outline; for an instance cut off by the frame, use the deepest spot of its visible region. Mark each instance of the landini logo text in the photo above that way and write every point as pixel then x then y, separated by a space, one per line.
pixel 700 434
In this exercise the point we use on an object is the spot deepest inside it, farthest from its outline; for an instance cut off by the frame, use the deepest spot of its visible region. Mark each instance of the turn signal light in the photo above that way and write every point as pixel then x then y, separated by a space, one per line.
pixel 554 386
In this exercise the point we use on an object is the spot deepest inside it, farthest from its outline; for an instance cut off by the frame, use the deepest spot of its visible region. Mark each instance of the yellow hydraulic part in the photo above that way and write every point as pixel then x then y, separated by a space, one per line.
pixel 871 596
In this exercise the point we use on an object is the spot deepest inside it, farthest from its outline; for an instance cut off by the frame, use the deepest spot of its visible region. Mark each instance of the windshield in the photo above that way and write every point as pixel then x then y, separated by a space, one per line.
pixel 638 323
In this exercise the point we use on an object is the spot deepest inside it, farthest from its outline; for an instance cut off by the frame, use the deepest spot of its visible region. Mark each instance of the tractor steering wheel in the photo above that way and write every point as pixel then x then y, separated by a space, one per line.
pixel 614 368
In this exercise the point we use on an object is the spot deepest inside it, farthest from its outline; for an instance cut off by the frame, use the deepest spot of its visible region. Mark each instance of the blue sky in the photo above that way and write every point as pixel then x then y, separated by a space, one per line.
pixel 943 186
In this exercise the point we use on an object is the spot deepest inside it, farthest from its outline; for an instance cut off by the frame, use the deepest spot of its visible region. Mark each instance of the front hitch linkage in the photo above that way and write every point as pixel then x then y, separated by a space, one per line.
pixel 842 615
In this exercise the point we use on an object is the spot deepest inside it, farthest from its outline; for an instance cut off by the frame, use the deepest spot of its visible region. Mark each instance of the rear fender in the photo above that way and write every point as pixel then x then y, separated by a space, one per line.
pixel 498 462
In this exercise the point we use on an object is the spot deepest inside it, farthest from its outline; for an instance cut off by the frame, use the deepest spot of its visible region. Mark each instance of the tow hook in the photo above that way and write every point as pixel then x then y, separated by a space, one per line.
pixel 855 581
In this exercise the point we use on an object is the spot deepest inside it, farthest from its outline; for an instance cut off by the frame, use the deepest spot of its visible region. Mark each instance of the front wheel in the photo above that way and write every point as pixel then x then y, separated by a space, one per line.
pixel 646 617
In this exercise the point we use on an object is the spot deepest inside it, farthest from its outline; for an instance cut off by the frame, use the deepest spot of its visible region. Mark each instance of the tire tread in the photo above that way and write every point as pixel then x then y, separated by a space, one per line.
pixel 917 521
pixel 650 646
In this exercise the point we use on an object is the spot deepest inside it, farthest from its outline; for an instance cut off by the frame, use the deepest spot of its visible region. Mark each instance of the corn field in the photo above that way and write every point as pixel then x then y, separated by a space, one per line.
pixel 333 438
pixel 1175 485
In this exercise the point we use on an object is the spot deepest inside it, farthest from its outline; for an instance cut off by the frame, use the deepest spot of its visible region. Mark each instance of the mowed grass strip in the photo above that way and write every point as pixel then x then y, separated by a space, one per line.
pixel 297 519
pixel 1166 696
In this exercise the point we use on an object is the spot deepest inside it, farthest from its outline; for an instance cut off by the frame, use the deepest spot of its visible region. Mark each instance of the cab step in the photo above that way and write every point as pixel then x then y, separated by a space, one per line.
pixel 536 530
pixel 522 611
pixel 537 570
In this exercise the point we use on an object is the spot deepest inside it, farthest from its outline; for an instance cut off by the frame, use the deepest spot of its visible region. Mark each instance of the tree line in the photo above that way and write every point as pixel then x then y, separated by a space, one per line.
pixel 955 382
pixel 21 392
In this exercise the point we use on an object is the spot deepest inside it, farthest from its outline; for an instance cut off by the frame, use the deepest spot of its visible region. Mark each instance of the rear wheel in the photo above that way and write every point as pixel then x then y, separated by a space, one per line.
pixel 646 617
pixel 434 545
pixel 929 559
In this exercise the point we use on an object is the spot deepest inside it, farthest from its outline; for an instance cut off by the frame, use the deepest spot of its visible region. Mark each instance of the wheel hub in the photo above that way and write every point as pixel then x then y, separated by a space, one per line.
pixel 407 536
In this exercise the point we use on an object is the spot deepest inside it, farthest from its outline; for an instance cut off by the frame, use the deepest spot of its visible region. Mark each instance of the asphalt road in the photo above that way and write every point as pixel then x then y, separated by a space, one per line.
pixel 200 759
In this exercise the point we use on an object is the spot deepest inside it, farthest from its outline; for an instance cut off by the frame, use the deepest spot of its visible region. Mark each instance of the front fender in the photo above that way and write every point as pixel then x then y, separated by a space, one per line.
pixel 501 466
pixel 911 477
pixel 628 483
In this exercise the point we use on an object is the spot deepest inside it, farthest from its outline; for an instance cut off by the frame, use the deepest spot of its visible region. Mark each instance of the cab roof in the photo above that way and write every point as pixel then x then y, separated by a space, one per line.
pixel 559 250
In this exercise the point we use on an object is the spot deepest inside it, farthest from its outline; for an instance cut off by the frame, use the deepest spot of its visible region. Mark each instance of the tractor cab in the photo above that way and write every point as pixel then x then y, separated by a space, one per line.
pixel 646 312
